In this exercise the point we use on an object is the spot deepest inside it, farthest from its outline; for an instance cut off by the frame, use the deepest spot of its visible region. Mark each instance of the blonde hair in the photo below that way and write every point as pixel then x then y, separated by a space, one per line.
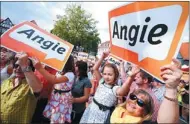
pixel 149 105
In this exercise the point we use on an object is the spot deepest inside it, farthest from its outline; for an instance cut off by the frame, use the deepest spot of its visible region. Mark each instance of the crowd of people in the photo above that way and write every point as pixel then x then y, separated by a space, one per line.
pixel 83 92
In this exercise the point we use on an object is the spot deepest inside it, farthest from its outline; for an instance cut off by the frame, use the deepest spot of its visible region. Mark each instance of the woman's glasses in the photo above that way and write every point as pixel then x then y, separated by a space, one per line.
pixel 139 101
pixel 15 65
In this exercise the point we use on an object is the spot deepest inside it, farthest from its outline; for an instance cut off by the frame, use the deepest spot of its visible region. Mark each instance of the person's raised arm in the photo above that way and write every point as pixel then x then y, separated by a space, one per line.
pixel 122 71
pixel 92 90
pixel 97 65
pixel 127 84
pixel 31 78
pixel 169 108
pixel 49 77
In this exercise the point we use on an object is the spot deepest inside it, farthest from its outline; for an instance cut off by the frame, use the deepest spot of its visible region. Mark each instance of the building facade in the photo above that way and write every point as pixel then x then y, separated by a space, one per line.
pixel 102 48
pixel 5 24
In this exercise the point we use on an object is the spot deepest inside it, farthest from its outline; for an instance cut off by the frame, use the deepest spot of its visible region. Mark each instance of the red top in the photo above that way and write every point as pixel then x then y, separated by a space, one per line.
pixel 47 87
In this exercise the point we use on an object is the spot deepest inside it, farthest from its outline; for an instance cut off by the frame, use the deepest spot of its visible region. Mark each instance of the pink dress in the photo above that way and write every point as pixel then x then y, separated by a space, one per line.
pixel 58 109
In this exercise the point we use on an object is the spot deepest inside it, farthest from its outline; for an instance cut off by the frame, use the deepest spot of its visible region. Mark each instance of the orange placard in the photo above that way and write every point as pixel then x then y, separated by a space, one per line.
pixel 114 60
pixel 36 42
pixel 147 33
pixel 92 58
pixel 82 56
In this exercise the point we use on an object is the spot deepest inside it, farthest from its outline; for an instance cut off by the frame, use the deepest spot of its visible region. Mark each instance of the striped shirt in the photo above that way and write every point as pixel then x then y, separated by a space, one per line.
pixel 159 93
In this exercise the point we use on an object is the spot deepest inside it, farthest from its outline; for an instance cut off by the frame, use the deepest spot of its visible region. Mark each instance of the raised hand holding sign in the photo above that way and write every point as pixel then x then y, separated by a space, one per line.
pixel 48 48
pixel 148 34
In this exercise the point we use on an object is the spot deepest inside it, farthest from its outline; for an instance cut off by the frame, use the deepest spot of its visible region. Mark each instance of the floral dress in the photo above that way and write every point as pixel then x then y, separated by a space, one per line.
pixel 58 109
pixel 104 95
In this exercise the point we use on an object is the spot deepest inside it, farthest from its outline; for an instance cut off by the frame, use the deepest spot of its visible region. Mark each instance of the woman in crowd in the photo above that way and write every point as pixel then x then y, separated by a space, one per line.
pixel 6 63
pixel 45 95
pixel 58 109
pixel 139 107
pixel 105 97
pixel 80 91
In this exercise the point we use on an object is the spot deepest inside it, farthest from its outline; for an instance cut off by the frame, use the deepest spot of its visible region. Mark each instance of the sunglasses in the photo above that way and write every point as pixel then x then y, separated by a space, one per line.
pixel 139 101
pixel 15 65
pixel 182 81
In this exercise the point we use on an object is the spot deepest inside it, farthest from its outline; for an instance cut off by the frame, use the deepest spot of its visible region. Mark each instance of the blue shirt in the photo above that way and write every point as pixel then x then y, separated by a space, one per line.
pixel 159 93
pixel 78 91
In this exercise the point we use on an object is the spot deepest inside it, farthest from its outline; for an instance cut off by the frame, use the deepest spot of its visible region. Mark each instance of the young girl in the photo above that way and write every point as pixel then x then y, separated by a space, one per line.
pixel 105 97
pixel 58 109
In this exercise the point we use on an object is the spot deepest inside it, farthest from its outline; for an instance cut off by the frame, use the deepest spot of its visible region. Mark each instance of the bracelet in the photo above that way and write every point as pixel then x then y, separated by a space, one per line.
pixel 26 69
pixel 171 99
pixel 166 85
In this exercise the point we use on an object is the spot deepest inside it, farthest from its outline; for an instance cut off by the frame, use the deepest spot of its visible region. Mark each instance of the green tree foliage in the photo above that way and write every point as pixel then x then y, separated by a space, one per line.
pixel 77 27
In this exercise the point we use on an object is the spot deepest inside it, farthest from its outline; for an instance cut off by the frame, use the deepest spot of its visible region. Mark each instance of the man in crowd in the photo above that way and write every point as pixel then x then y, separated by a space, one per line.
pixel 159 89
pixel 19 93
pixel 90 71
pixel 185 102
pixel 6 63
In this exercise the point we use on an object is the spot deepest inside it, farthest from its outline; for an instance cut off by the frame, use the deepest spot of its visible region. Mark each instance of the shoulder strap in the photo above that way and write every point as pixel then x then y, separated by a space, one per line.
pixel 103 82
pixel 111 86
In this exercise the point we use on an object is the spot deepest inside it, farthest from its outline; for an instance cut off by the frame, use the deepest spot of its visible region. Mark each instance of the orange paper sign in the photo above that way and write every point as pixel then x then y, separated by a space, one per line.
pixel 147 33
pixel 114 60
pixel 28 37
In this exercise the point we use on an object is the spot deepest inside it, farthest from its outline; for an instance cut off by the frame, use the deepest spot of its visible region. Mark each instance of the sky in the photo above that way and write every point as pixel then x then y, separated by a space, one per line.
pixel 44 13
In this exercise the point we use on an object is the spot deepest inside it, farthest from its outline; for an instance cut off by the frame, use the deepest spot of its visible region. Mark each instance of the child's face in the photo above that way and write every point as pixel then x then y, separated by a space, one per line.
pixel 109 75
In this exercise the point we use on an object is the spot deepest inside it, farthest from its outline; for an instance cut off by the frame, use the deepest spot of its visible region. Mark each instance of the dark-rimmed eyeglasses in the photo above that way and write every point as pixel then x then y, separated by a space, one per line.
pixel 139 101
